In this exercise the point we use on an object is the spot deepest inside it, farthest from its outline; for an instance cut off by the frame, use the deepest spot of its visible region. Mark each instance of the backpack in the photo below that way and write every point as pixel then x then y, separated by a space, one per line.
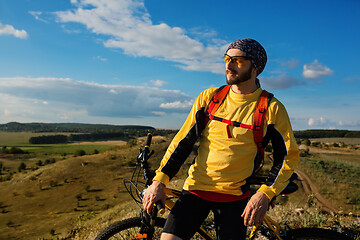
pixel 258 118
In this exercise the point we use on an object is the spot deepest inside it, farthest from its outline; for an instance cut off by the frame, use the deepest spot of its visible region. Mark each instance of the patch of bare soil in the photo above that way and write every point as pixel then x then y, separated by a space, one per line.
pixel 332 151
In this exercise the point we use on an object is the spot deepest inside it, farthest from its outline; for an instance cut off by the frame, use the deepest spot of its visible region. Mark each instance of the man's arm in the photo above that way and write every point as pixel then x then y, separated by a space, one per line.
pixel 183 143
pixel 286 157
pixel 285 151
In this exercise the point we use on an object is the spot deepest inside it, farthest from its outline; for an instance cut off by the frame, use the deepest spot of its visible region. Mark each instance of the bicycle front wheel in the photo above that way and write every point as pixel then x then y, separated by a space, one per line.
pixel 128 228
pixel 314 234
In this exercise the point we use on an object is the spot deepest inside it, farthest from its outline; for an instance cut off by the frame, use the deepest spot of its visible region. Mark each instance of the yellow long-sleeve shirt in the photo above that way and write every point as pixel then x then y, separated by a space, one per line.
pixel 224 163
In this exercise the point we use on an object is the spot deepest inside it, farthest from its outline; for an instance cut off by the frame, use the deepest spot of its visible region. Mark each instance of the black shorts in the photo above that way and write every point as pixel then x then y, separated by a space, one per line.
pixel 190 211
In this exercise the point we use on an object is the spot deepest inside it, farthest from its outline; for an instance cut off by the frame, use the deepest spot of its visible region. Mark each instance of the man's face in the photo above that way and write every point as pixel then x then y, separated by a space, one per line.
pixel 240 71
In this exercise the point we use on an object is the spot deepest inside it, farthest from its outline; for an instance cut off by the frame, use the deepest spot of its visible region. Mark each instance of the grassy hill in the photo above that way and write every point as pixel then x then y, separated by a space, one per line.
pixel 76 197
pixel 55 197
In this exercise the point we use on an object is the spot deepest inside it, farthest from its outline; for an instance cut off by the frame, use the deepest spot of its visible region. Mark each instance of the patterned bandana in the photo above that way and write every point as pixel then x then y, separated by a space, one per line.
pixel 252 50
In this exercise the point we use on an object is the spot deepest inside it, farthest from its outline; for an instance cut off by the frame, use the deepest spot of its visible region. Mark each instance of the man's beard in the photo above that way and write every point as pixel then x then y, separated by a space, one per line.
pixel 240 78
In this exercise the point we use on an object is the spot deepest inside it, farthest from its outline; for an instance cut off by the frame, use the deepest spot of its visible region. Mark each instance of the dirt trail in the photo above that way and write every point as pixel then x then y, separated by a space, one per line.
pixel 310 187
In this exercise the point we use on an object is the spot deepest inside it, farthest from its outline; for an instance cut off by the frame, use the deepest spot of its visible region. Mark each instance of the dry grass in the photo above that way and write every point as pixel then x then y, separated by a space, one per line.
pixel 60 196
pixel 77 197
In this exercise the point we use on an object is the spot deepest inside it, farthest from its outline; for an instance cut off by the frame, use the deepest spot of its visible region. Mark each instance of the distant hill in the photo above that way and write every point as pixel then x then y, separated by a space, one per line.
pixel 68 127
pixel 319 133
pixel 101 128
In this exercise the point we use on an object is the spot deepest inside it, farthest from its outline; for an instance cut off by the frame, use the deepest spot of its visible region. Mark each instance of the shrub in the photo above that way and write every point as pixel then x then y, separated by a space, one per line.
pixel 80 152
pixel 79 197
pixel 307 142
pixel 21 167
pixel 48 161
pixel 29 194
pixel 4 149
pixel 53 183
pixel 7 177
pixel 132 142
pixel 12 150
pixel 304 153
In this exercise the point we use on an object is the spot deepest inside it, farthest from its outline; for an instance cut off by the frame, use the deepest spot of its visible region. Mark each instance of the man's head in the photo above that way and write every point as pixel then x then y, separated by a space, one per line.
pixel 253 51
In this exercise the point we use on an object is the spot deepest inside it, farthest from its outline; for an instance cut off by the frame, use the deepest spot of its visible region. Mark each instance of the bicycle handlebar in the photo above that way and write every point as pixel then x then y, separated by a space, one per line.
pixel 148 140
pixel 159 205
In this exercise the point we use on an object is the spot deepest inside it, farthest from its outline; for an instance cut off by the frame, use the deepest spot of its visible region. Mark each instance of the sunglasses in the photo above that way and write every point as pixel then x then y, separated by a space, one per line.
pixel 235 59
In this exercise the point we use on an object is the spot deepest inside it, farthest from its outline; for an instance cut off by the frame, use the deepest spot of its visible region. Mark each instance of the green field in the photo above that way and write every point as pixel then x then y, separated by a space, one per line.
pixel 20 138
pixel 65 148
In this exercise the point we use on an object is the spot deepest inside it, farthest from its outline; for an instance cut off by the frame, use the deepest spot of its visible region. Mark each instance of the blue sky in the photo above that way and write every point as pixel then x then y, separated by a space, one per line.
pixel 145 62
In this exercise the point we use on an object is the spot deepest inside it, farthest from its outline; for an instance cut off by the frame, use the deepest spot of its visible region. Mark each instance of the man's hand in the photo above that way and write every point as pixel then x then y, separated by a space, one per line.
pixel 154 193
pixel 255 209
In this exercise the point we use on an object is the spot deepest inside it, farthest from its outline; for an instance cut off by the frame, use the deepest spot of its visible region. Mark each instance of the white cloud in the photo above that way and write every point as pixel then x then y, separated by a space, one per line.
pixel 329 123
pixel 49 98
pixel 311 122
pixel 128 26
pixel 10 30
pixel 177 105
pixel 292 63
pixel 100 58
pixel 353 79
pixel 36 15
pixel 346 124
pixel 7 112
pixel 316 70
pixel 158 83
pixel 280 82
pixel 317 121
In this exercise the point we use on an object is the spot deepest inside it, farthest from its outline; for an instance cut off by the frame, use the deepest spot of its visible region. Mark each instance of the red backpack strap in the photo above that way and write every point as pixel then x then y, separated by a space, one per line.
pixel 218 99
pixel 258 121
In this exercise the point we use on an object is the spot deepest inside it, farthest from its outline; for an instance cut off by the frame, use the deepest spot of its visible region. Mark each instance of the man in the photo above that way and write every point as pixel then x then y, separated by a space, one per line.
pixel 227 154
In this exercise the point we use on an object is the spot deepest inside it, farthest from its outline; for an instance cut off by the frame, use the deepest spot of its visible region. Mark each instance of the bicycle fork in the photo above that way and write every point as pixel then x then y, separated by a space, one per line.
pixel 147 228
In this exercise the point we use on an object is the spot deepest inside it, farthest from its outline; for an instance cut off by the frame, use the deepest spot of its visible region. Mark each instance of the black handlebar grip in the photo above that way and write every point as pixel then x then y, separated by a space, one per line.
pixel 160 207
pixel 148 140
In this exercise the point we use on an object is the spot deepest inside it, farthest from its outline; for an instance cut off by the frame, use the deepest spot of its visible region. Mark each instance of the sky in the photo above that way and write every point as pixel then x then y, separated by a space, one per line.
pixel 144 62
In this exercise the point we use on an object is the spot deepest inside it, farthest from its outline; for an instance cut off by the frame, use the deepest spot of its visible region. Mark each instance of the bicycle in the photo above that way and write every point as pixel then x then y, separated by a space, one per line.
pixel 149 227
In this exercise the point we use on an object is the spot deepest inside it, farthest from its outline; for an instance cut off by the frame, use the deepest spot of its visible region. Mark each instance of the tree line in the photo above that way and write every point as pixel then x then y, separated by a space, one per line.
pixel 126 134
pixel 67 127
pixel 318 133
